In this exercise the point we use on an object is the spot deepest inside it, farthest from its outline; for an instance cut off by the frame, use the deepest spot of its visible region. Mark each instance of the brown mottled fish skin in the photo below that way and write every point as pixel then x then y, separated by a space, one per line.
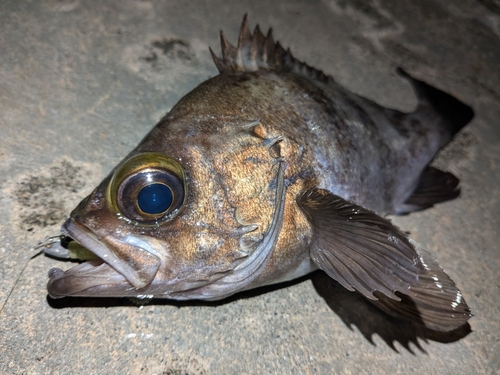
pixel 280 171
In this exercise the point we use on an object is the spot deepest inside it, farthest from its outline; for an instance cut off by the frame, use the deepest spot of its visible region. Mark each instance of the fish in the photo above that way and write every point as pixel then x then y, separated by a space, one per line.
pixel 265 173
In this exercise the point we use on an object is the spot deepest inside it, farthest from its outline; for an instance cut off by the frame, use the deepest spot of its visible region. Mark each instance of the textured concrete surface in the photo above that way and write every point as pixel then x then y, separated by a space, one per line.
pixel 81 82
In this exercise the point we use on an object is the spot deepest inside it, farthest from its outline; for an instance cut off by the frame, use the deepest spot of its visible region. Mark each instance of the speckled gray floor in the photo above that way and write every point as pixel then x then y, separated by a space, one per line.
pixel 81 82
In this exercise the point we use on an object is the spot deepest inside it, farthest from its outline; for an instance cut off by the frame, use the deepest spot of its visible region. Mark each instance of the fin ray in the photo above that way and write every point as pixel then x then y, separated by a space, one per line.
pixel 256 52
pixel 434 187
pixel 367 253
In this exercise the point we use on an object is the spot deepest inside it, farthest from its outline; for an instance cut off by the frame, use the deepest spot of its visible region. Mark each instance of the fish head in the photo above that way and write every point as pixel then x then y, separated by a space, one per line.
pixel 193 212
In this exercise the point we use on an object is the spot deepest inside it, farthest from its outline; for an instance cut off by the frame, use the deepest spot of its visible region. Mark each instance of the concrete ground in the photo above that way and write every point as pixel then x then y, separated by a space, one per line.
pixel 81 82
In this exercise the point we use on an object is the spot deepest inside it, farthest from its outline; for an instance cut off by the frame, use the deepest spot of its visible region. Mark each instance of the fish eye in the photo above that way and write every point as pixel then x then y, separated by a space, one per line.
pixel 148 188
pixel 150 194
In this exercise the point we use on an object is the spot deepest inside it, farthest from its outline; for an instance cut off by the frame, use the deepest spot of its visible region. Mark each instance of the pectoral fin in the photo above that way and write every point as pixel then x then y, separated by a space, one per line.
pixel 367 253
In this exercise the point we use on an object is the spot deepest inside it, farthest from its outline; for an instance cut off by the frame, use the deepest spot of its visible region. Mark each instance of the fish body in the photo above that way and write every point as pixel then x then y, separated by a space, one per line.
pixel 264 173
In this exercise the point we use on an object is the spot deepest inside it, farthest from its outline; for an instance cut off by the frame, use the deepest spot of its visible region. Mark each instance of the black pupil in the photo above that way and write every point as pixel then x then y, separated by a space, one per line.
pixel 155 198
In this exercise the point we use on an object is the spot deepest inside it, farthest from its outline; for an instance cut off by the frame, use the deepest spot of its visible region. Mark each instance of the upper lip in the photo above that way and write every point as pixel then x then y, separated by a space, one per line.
pixel 138 265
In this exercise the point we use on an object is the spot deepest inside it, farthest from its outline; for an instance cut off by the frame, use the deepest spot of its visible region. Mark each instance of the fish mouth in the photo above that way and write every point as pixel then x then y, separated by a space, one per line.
pixel 105 276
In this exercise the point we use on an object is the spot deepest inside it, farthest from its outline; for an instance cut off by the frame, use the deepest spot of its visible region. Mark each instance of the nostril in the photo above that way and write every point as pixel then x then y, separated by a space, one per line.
pixel 82 204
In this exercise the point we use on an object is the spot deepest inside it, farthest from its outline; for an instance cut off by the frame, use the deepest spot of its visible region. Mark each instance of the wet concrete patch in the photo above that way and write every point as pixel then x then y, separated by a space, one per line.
pixel 45 197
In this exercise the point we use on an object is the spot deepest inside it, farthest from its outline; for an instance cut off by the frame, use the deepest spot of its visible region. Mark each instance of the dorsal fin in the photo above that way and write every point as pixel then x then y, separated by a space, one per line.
pixel 258 52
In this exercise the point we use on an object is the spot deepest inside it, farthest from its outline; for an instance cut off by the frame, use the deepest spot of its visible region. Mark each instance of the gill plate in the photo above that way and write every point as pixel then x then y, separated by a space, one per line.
pixel 252 266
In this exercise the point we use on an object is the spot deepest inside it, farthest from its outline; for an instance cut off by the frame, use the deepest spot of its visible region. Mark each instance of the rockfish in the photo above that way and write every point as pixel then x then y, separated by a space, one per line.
pixel 265 173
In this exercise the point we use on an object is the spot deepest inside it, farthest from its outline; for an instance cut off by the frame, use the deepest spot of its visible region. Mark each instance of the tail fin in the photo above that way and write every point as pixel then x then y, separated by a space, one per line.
pixel 451 109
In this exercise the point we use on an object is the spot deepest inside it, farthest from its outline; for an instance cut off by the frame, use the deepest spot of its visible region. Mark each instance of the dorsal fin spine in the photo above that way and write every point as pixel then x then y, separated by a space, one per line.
pixel 218 62
pixel 256 52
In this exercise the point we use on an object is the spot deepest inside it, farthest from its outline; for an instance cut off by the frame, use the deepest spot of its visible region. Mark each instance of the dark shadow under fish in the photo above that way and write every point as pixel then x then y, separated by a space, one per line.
pixel 265 173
